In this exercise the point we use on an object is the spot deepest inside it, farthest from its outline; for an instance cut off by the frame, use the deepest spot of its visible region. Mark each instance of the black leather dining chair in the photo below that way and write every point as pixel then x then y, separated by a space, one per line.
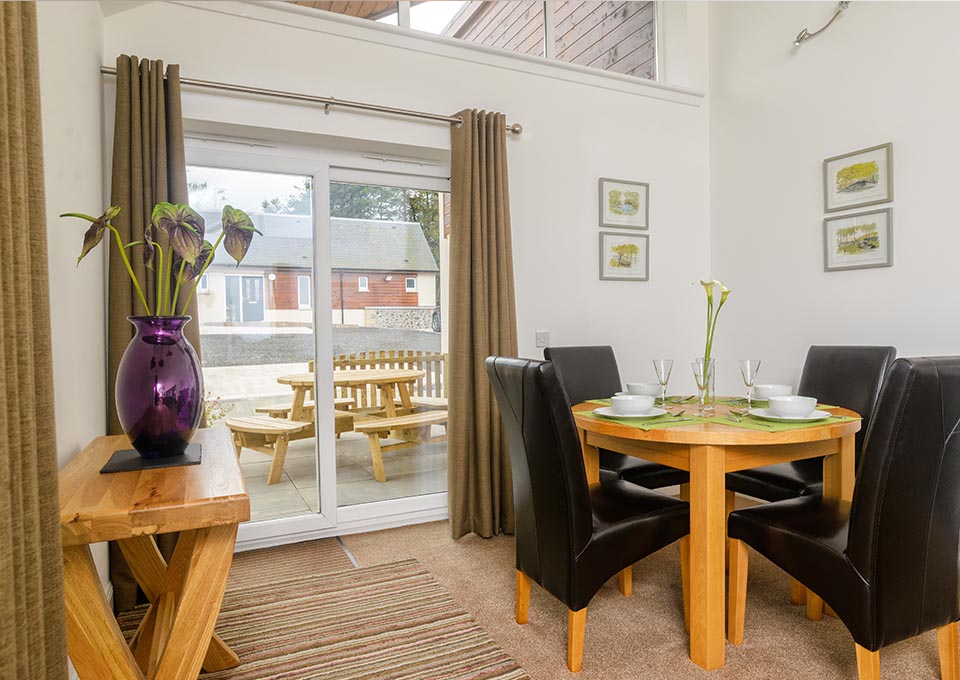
pixel 887 562
pixel 591 372
pixel 571 537
pixel 847 376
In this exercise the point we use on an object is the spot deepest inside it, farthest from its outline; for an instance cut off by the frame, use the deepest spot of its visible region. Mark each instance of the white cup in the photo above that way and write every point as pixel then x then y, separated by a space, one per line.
pixel 767 391
pixel 793 406
pixel 632 405
pixel 644 388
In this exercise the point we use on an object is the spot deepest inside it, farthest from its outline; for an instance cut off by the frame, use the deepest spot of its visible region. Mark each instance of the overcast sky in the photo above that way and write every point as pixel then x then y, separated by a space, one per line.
pixel 241 188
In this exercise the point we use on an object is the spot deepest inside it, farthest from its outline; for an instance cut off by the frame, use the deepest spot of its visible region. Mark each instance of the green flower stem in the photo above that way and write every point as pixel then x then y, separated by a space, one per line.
pixel 176 290
pixel 159 267
pixel 202 272
pixel 169 307
pixel 126 262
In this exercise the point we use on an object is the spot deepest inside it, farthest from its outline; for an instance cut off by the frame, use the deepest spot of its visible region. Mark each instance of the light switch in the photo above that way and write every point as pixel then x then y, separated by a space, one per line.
pixel 543 338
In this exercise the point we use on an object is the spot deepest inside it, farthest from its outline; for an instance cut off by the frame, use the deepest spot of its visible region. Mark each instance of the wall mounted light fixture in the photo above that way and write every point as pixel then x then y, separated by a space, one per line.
pixel 805 35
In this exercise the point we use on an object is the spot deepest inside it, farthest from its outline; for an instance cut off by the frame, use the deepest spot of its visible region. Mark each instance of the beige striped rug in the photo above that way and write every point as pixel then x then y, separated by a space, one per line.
pixel 388 622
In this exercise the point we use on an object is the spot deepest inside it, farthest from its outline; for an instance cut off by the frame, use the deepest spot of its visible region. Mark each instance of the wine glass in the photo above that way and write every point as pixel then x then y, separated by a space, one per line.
pixel 663 368
pixel 749 368
pixel 703 374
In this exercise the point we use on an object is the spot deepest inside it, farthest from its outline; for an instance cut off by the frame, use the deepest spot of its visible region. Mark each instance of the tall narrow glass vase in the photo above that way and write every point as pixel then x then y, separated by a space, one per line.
pixel 710 392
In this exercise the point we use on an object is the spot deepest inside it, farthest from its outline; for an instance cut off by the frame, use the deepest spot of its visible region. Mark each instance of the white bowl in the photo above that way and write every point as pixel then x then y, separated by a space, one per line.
pixel 632 405
pixel 644 388
pixel 767 391
pixel 793 406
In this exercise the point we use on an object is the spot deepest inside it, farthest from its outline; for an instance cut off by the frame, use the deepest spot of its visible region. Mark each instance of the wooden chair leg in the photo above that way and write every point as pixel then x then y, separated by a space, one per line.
pixel 868 663
pixel 376 454
pixel 737 590
pixel 949 646
pixel 798 593
pixel 625 581
pixel 523 597
pixel 576 627
pixel 685 565
pixel 814 606
pixel 279 455
pixel 731 500
pixel 685 579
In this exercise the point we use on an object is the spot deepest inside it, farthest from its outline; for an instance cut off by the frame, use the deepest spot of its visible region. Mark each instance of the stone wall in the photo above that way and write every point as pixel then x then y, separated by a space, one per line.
pixel 413 318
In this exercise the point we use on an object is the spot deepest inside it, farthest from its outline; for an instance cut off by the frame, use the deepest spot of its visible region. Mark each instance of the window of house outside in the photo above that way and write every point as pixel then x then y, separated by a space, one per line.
pixel 411 284
pixel 363 284
pixel 619 37
pixel 203 286
pixel 303 292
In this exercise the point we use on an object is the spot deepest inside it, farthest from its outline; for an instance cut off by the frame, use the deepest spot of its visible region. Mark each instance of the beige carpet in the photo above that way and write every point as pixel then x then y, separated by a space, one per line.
pixel 269 565
pixel 387 622
pixel 641 637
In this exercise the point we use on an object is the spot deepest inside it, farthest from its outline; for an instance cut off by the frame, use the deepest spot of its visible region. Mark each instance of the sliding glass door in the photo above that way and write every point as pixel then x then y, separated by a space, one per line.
pixel 348 275
pixel 254 329
pixel 387 272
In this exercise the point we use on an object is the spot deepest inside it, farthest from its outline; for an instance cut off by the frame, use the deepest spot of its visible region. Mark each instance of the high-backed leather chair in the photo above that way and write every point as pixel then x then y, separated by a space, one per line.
pixel 847 376
pixel 591 372
pixel 887 563
pixel 571 538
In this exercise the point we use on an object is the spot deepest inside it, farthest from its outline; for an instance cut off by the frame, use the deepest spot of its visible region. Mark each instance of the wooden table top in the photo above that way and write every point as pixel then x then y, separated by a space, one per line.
pixel 356 376
pixel 717 434
pixel 108 507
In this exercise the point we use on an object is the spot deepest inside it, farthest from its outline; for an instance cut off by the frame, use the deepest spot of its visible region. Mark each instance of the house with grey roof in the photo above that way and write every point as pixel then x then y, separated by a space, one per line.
pixel 382 274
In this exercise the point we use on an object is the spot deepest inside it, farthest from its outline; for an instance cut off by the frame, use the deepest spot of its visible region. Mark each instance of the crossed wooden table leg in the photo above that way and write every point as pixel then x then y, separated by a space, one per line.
pixel 176 636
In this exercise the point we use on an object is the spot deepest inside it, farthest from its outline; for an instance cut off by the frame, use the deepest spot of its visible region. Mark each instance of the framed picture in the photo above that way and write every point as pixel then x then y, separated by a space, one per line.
pixel 858 241
pixel 624 204
pixel 860 178
pixel 624 257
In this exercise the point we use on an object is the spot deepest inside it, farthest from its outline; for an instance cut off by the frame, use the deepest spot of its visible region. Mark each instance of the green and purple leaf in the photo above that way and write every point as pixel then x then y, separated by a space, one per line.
pixel 94 234
pixel 192 271
pixel 238 231
pixel 184 228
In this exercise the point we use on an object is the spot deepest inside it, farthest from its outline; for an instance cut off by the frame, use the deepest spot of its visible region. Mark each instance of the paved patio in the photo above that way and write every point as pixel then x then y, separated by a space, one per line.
pixel 413 471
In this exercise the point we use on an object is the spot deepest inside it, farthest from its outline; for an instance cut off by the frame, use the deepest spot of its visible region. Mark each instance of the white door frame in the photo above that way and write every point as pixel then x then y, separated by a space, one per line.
pixel 324 165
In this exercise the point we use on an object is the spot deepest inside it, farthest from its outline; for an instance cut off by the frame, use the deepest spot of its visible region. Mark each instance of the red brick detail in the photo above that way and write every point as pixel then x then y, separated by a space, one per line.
pixel 382 293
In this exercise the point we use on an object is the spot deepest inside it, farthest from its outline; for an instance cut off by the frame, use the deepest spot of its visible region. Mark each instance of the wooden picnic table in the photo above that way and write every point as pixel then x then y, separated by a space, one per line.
pixel 394 383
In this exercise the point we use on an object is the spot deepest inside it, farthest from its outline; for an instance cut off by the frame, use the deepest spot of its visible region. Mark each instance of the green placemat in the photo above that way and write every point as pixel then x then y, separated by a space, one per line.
pixel 658 423
pixel 758 403
pixel 759 424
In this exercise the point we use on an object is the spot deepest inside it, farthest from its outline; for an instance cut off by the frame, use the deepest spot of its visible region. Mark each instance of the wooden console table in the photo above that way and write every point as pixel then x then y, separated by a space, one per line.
pixel 205 503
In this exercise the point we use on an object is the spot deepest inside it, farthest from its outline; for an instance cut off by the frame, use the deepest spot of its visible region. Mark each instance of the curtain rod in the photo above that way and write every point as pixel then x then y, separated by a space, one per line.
pixel 328 102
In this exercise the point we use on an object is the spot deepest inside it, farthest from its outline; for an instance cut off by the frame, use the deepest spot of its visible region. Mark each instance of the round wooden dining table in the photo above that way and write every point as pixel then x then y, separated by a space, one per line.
pixel 708 451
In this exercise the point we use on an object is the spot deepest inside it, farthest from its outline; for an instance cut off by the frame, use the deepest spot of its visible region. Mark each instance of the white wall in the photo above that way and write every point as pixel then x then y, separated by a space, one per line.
pixel 881 73
pixel 70 35
pixel 577 129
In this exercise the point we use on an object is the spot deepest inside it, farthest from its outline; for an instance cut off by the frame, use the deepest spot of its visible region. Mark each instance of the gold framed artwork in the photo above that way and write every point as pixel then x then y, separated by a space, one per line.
pixel 623 204
pixel 858 178
pixel 624 257
pixel 859 241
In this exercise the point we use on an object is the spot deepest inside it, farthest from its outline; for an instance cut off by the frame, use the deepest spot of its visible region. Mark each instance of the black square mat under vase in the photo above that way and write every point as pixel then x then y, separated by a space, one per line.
pixel 129 460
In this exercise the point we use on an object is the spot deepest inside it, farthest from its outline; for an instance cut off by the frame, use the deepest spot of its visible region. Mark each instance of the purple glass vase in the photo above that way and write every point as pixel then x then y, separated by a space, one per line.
pixel 159 387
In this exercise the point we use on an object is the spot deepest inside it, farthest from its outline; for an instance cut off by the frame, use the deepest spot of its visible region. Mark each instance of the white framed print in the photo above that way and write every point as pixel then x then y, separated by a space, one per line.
pixel 858 178
pixel 623 204
pixel 859 241
pixel 624 257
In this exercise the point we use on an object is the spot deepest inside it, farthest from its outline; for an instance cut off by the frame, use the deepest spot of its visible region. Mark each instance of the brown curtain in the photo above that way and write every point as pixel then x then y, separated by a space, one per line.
pixel 483 321
pixel 33 634
pixel 148 166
